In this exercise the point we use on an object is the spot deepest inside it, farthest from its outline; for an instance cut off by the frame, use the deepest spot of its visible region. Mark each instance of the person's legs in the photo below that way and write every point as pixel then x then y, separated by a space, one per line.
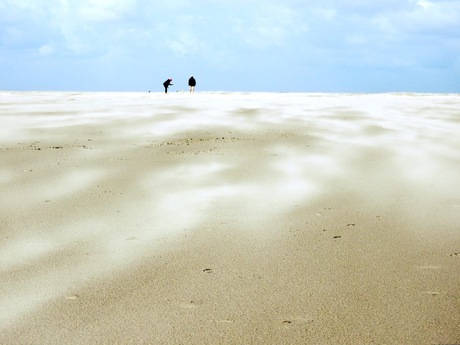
pixel 166 89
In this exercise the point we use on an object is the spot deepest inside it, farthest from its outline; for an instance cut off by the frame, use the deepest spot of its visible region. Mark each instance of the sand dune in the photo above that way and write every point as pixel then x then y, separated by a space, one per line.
pixel 229 218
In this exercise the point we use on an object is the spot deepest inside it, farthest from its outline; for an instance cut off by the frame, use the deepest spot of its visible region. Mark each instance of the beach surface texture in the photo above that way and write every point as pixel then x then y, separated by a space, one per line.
pixel 229 218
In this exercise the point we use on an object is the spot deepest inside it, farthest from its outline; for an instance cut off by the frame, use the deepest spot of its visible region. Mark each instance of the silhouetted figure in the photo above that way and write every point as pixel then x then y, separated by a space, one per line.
pixel 166 84
pixel 192 84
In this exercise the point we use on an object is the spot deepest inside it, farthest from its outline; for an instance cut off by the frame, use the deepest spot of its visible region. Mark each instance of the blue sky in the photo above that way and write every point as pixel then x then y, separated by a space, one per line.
pixel 231 45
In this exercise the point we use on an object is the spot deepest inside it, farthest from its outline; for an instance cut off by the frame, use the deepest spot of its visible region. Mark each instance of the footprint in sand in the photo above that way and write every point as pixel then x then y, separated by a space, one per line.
pixel 192 304
pixel 297 320
pixel 72 297
pixel 432 293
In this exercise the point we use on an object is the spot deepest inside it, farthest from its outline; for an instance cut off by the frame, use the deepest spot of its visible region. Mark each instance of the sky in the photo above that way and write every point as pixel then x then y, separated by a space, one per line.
pixel 231 45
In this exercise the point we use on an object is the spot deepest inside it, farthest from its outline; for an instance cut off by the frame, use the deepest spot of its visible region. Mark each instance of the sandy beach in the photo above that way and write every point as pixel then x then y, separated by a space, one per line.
pixel 229 218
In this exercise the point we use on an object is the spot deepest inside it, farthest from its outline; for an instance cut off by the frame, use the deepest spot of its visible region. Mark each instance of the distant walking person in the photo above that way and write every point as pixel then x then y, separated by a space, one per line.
pixel 166 84
pixel 192 84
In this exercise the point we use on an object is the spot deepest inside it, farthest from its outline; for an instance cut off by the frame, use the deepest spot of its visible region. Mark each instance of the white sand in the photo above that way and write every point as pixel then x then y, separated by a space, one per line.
pixel 229 218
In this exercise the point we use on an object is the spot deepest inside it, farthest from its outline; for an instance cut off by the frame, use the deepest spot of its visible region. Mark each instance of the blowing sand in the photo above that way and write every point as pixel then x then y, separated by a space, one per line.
pixel 229 218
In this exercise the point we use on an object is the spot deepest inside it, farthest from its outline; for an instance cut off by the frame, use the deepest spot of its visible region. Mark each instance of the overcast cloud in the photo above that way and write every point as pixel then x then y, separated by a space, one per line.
pixel 235 45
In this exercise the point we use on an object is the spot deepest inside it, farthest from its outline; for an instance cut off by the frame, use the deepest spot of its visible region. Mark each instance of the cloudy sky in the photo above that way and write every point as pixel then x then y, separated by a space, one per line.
pixel 231 45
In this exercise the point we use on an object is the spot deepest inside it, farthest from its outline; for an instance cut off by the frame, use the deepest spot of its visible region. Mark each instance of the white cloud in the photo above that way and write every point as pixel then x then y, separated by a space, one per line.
pixel 268 26
pixel 186 43
pixel 437 18
pixel 46 49
pixel 104 10
pixel 424 4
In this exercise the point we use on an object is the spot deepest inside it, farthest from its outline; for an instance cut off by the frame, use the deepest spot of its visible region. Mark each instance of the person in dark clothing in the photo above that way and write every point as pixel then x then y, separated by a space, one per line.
pixel 192 84
pixel 166 84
